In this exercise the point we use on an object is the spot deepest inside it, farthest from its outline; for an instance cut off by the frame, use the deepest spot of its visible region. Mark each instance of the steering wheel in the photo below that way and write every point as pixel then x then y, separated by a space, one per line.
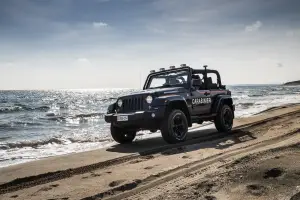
pixel 182 79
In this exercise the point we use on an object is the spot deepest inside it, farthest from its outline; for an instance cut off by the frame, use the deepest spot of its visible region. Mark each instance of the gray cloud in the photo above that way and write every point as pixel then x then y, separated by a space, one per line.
pixel 280 65
pixel 254 27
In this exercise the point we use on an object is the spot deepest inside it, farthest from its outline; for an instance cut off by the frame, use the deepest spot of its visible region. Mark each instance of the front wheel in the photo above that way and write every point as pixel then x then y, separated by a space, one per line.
pixel 174 127
pixel 122 136
pixel 224 119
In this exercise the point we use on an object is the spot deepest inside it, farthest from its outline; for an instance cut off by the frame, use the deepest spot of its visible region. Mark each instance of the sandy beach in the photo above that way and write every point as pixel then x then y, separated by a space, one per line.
pixel 259 159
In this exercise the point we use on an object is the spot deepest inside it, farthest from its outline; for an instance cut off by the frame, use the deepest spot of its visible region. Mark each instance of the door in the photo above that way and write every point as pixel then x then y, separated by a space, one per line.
pixel 201 100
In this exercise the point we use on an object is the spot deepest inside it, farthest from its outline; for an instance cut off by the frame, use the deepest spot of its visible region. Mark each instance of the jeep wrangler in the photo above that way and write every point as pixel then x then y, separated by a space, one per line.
pixel 171 101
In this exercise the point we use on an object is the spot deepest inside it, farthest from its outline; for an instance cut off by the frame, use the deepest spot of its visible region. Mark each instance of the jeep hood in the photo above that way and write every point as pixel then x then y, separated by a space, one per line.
pixel 158 91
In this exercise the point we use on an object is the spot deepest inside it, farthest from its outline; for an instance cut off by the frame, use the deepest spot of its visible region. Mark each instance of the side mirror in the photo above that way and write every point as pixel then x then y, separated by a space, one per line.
pixel 196 82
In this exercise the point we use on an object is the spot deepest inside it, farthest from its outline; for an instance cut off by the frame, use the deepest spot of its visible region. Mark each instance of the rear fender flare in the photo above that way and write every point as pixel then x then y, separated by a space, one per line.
pixel 219 101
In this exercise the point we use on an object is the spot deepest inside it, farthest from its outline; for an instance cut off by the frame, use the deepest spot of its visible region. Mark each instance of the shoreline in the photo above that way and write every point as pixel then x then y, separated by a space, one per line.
pixel 238 121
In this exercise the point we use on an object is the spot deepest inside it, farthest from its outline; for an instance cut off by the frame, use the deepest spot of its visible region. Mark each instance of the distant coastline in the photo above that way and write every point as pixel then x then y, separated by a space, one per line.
pixel 292 83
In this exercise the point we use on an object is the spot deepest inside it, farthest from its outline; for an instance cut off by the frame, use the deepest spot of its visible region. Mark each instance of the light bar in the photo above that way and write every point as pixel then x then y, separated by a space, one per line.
pixel 172 67
pixel 183 65
pixel 152 71
pixel 161 69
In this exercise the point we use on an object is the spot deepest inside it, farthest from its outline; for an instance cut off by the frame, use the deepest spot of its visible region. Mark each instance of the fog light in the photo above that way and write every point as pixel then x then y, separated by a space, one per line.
pixel 153 115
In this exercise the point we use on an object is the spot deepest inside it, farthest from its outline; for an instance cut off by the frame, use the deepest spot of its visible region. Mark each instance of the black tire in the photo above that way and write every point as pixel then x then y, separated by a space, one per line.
pixel 122 136
pixel 174 127
pixel 224 119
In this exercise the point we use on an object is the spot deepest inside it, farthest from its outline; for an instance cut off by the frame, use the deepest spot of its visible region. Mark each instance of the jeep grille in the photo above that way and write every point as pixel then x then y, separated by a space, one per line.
pixel 132 104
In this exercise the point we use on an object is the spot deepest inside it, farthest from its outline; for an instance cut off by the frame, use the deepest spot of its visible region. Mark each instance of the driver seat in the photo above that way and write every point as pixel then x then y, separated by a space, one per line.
pixel 196 78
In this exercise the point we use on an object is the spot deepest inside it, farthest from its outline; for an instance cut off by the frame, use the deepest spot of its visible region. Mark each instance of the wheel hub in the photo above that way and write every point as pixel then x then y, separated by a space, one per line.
pixel 178 127
pixel 228 118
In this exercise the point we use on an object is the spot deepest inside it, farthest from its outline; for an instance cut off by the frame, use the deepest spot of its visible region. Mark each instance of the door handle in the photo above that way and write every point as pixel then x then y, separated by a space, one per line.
pixel 206 93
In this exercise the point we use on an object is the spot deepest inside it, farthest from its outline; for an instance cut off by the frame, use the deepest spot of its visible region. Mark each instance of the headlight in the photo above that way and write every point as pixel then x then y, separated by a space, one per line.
pixel 149 99
pixel 120 102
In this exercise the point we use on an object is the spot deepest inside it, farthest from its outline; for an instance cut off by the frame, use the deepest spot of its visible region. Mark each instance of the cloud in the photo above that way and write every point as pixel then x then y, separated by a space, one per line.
pixel 185 19
pixel 83 60
pixel 155 30
pixel 290 33
pixel 254 27
pixel 99 24
pixel 7 64
pixel 280 65
pixel 102 1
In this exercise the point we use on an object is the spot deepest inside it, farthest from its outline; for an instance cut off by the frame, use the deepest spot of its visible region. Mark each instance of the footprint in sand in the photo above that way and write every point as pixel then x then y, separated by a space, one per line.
pixel 296 196
pixel 273 173
pixel 54 185
pixel 185 157
pixel 116 183
pixel 136 161
pixel 149 167
pixel 46 188
pixel 95 174
pixel 210 198
pixel 256 189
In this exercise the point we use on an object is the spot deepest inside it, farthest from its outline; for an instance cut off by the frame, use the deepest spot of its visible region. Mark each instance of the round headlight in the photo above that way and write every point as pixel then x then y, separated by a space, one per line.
pixel 120 102
pixel 149 99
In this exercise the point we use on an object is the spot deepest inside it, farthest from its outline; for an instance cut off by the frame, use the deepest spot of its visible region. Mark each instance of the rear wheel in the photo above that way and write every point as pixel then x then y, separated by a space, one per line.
pixel 174 127
pixel 224 119
pixel 122 136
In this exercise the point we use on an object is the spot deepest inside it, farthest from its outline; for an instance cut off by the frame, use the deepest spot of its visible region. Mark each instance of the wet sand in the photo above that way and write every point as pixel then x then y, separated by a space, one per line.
pixel 208 165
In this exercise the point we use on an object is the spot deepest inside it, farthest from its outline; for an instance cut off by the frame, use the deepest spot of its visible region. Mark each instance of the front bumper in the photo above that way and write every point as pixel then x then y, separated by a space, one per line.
pixel 138 120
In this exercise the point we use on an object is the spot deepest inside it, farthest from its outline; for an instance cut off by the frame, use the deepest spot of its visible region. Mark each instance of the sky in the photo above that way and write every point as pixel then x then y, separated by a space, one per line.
pixel 80 44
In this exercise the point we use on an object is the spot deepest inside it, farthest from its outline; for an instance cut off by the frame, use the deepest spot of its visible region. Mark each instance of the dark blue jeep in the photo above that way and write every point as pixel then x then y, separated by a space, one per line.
pixel 171 101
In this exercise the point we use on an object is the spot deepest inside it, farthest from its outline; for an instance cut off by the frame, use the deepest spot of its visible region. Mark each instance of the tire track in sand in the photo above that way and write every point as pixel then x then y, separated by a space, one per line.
pixel 130 189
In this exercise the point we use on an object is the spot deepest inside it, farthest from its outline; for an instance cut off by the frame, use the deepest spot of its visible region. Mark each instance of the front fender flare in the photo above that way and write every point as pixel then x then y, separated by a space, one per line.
pixel 170 101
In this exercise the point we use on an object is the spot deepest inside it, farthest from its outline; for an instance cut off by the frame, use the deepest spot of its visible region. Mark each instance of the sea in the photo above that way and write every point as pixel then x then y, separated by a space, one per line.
pixel 36 124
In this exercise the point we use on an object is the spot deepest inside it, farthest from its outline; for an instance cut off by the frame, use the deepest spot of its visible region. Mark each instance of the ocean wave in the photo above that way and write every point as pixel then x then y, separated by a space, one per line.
pixel 4 138
pixel 89 115
pixel 33 144
pixel 54 140
pixel 245 105
pixel 256 95
pixel 18 125
pixel 52 116
pixel 20 107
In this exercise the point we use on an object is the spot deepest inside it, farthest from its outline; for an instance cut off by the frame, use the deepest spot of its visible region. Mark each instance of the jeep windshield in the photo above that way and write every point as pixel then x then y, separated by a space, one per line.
pixel 167 78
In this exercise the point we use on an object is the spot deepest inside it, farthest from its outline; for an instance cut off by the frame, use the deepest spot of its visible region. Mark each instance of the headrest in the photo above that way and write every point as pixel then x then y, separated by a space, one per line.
pixel 209 81
pixel 196 82
pixel 195 76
